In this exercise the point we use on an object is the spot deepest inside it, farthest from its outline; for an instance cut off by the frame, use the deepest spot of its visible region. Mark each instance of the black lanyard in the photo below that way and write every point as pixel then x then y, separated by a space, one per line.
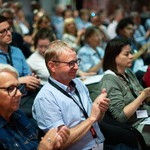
pixel 128 82
pixel 9 57
pixel 97 52
pixel 82 108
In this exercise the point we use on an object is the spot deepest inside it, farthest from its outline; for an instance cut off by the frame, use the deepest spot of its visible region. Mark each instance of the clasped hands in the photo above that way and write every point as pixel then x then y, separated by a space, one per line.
pixel 54 138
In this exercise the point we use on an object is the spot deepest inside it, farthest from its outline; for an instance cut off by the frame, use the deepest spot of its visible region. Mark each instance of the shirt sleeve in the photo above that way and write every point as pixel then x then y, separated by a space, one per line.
pixel 117 98
pixel 47 113
pixel 19 62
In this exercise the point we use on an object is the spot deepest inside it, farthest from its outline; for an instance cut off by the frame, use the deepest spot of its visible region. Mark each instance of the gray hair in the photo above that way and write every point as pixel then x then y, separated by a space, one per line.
pixel 9 69
pixel 56 48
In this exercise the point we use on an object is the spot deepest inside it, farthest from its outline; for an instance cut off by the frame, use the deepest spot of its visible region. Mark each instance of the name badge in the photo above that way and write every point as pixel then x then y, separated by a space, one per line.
pixel 98 147
pixel 141 113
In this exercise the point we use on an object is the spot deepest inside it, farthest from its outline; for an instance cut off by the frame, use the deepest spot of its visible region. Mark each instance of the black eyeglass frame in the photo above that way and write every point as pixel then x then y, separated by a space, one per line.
pixel 4 31
pixel 12 93
pixel 71 64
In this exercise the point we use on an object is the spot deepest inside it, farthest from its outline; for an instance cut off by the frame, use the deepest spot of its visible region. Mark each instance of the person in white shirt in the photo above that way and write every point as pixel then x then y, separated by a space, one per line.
pixel 36 61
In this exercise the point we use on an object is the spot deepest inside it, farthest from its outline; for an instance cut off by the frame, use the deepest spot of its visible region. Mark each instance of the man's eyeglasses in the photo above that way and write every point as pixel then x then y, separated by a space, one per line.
pixel 72 63
pixel 5 31
pixel 12 90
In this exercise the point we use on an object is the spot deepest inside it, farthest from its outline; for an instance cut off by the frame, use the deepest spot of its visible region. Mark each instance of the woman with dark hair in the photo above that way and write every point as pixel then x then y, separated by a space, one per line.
pixel 128 99
pixel 125 29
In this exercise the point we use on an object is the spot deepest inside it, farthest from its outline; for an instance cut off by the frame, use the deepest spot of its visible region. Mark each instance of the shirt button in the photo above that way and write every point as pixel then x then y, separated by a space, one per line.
pixel 16 145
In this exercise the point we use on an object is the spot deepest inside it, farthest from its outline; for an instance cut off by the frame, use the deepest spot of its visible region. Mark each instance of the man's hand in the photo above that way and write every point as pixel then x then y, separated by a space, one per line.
pixel 100 106
pixel 103 101
pixel 63 135
pixel 54 138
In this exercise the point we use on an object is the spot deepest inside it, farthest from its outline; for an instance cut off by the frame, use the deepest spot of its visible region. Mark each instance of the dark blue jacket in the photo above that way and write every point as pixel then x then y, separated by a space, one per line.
pixel 18 134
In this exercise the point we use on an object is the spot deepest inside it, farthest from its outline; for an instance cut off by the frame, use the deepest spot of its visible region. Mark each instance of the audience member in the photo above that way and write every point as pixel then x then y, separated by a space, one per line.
pixel 37 10
pixel 141 36
pixel 17 39
pixel 83 22
pixel 128 99
pixel 13 56
pixel 91 53
pixel 145 12
pixel 75 13
pixel 67 13
pixel 71 34
pixel 37 14
pixel 16 131
pixel 58 20
pixel 125 29
pixel 49 108
pixel 20 22
pixel 36 61
pixel 43 21
pixel 98 21
pixel 21 19
pixel 11 5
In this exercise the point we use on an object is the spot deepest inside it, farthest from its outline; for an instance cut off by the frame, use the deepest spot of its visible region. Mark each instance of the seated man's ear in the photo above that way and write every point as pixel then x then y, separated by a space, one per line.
pixel 51 66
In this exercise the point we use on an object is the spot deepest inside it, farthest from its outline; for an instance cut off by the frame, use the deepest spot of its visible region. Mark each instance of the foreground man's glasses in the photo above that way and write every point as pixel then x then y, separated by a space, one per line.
pixel 71 63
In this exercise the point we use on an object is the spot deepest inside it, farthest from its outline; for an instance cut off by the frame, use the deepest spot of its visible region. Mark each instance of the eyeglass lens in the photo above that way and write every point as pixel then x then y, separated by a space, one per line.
pixel 72 63
pixel 4 32
pixel 13 90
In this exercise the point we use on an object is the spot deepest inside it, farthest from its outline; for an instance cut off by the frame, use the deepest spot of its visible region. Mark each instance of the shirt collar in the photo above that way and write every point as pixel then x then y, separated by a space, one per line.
pixel 14 116
pixel 9 50
pixel 70 88
pixel 111 72
pixel 91 50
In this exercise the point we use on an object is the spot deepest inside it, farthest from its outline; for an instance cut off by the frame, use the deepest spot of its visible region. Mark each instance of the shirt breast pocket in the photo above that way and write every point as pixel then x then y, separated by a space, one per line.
pixel 30 132
pixel 10 144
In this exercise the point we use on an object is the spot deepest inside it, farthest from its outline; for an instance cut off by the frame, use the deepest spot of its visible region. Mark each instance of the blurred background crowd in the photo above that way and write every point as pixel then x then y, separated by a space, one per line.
pixel 69 19
pixel 86 25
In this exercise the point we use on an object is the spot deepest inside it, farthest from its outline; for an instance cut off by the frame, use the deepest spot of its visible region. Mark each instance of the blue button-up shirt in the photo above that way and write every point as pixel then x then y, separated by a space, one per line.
pixel 18 60
pixel 52 109
pixel 90 58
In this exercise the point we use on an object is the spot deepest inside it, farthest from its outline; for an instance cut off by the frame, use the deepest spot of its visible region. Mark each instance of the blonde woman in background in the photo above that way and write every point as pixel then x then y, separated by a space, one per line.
pixel 73 37
pixel 71 34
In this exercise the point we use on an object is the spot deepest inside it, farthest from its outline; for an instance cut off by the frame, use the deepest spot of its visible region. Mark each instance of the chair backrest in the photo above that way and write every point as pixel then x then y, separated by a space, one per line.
pixel 116 132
